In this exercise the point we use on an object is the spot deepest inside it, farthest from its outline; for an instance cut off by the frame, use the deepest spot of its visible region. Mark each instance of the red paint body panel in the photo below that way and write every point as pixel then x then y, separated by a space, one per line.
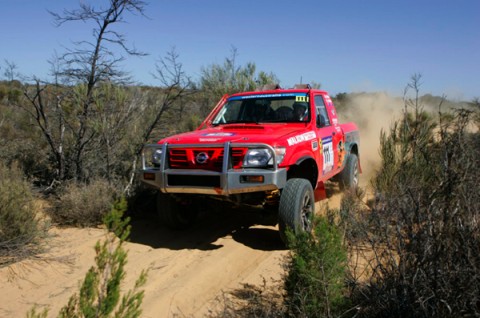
pixel 327 146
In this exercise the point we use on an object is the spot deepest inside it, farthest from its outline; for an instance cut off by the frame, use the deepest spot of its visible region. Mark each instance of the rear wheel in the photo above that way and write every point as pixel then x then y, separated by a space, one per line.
pixel 297 207
pixel 173 214
pixel 349 176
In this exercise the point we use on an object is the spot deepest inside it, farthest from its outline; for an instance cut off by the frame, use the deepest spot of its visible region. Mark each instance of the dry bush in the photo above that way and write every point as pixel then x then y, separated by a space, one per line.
pixel 421 238
pixel 251 301
pixel 83 204
pixel 20 228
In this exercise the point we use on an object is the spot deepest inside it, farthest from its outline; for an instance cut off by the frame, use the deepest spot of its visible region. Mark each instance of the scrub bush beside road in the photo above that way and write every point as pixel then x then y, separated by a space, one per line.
pixel 21 229
pixel 421 235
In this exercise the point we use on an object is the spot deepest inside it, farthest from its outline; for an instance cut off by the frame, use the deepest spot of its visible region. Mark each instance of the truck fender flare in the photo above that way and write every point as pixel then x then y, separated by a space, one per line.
pixel 300 156
pixel 302 159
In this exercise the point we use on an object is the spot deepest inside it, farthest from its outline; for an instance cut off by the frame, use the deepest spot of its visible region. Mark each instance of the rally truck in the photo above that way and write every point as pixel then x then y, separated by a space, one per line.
pixel 272 148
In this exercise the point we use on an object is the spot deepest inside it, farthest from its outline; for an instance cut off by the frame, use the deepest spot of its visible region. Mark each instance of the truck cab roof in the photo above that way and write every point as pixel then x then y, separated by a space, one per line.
pixel 267 106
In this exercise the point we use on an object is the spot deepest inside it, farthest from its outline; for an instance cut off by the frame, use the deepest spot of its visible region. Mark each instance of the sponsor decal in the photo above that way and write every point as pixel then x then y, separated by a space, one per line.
pixel 261 96
pixel 328 100
pixel 327 151
pixel 301 138
pixel 222 134
pixel 208 139
pixel 301 98
pixel 341 154
pixel 335 121
pixel 314 145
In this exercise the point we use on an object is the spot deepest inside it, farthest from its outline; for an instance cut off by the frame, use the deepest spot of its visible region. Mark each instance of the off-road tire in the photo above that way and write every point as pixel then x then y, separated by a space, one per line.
pixel 173 214
pixel 297 207
pixel 348 178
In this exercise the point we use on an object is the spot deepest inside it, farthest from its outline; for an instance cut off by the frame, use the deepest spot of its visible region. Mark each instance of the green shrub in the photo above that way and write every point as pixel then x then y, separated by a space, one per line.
pixel 11 91
pixel 3 91
pixel 100 294
pixel 20 228
pixel 83 204
pixel 316 272
pixel 14 95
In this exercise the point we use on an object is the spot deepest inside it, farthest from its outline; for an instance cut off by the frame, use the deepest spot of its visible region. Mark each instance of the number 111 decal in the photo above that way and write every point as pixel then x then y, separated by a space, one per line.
pixel 327 151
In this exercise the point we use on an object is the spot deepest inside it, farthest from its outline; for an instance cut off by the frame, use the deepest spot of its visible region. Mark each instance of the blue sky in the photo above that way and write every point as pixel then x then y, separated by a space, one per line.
pixel 347 46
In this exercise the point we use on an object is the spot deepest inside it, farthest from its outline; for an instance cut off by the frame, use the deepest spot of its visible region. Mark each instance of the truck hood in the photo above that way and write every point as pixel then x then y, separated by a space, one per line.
pixel 272 134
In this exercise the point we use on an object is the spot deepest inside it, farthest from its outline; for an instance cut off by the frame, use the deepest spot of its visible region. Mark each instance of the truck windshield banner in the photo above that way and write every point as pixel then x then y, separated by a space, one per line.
pixel 298 96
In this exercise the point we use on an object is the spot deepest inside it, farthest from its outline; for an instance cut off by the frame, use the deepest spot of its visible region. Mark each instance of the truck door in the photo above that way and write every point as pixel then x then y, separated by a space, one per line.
pixel 330 139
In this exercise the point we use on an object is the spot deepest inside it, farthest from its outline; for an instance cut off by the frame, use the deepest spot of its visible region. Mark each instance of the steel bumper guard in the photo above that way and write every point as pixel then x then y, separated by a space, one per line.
pixel 225 182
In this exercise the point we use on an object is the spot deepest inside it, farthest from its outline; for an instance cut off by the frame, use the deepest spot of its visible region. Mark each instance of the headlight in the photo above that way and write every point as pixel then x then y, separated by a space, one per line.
pixel 157 157
pixel 257 158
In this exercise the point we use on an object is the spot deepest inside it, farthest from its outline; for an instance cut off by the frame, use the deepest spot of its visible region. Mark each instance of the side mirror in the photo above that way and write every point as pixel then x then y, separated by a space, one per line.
pixel 320 121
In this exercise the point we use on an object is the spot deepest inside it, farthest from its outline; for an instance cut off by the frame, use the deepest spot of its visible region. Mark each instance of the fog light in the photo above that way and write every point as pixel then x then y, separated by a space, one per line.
pixel 251 179
pixel 149 176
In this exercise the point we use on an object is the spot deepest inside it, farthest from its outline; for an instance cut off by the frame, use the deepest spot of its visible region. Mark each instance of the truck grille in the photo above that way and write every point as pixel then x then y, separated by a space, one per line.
pixel 203 158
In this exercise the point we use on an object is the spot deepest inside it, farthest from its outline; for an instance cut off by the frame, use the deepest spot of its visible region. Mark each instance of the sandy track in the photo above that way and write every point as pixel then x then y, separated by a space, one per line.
pixel 189 271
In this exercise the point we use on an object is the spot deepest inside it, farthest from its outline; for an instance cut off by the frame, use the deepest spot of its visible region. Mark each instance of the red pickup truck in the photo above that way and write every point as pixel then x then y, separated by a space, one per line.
pixel 273 148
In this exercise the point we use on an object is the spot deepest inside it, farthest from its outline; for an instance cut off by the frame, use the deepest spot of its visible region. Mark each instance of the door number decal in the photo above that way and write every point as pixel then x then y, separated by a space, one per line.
pixel 327 150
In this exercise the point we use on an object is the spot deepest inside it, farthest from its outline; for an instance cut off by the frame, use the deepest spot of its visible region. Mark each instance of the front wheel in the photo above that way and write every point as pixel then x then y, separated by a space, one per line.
pixel 296 208
pixel 173 214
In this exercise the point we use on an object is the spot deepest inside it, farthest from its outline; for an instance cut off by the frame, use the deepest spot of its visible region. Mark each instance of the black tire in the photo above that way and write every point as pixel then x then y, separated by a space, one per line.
pixel 297 207
pixel 173 214
pixel 349 176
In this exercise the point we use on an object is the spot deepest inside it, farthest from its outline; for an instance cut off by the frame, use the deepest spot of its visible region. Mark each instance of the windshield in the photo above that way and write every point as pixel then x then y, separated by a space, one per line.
pixel 264 108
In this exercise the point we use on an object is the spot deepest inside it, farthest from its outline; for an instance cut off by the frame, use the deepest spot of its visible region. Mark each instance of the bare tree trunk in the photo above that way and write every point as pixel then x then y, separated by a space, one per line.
pixel 92 66
pixel 41 115
pixel 178 86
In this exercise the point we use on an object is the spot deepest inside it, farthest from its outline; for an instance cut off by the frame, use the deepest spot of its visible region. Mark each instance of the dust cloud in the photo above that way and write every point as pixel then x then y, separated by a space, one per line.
pixel 371 112
pixel 374 112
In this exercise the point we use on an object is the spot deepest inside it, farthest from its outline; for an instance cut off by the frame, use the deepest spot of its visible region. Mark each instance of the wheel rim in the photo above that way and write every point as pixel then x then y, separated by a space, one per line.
pixel 306 212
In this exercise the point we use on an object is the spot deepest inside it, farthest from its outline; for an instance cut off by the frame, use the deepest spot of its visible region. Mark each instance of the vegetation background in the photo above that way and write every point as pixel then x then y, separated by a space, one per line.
pixel 74 139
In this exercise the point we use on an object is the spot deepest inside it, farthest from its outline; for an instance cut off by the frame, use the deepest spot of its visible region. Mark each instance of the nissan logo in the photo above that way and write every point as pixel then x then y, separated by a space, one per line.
pixel 202 157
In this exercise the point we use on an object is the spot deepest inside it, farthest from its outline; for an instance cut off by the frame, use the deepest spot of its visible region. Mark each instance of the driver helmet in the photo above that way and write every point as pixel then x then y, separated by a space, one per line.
pixel 300 110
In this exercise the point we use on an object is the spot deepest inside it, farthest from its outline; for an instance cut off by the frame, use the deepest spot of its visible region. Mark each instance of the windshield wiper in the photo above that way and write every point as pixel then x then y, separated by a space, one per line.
pixel 242 121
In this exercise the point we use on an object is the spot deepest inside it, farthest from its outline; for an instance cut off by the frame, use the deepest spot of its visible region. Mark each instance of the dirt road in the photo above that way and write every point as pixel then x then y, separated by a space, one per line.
pixel 189 271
